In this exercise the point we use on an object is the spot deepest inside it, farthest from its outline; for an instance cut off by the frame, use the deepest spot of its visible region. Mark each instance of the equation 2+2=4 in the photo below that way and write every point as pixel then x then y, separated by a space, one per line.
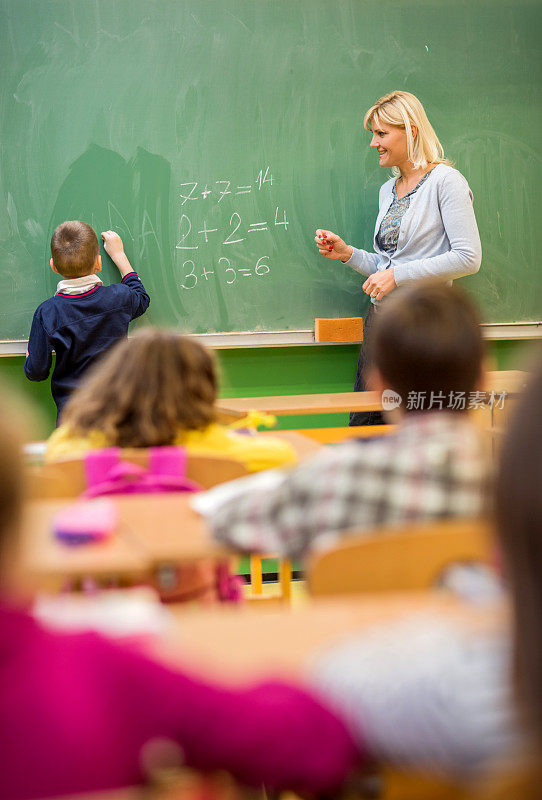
pixel 233 236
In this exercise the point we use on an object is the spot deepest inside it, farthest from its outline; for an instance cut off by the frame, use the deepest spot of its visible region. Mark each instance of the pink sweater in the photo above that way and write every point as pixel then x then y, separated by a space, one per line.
pixel 76 710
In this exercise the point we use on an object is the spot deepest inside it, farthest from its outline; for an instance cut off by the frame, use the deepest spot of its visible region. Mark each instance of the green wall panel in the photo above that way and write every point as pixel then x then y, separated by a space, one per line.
pixel 268 371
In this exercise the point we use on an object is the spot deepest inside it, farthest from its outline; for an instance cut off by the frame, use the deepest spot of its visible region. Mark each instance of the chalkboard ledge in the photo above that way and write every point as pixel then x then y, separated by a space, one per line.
pixel 222 341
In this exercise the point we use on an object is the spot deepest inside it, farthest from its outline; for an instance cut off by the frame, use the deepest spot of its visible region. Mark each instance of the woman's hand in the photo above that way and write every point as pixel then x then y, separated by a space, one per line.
pixel 379 284
pixel 332 246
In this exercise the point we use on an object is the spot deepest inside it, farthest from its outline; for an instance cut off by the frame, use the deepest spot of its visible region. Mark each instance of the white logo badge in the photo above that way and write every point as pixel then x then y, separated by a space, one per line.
pixel 390 400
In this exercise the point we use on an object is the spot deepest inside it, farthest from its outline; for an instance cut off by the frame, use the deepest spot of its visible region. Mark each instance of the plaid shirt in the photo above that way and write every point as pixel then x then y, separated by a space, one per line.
pixel 433 467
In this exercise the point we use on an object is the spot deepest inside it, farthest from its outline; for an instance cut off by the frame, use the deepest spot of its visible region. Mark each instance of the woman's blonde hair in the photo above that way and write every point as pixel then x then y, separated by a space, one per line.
pixel 145 390
pixel 402 110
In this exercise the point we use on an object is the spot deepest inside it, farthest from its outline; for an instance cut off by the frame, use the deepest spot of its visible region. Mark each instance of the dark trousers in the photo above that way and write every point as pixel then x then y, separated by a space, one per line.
pixel 365 417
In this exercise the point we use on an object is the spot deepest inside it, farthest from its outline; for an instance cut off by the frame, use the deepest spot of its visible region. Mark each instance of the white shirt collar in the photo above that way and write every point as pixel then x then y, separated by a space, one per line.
pixel 78 285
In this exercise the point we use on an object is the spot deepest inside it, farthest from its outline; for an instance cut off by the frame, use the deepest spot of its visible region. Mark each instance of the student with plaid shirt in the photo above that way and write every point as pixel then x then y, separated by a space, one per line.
pixel 427 344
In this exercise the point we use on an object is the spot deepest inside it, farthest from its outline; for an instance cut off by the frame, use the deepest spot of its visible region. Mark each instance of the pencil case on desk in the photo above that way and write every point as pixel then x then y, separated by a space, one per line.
pixel 86 521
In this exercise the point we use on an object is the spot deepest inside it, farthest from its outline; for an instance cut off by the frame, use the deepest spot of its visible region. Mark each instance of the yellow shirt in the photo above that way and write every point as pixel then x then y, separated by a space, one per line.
pixel 253 451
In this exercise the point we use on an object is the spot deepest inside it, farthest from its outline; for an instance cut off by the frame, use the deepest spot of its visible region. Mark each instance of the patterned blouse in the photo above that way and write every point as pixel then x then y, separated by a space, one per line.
pixel 391 224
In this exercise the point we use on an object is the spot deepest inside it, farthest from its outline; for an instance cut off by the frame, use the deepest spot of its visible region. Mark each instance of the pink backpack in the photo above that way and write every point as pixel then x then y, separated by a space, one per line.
pixel 107 474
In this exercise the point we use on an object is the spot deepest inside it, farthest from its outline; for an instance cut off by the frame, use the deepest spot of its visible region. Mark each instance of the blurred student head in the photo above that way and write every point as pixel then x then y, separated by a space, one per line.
pixel 145 390
pixel 427 344
pixel 518 507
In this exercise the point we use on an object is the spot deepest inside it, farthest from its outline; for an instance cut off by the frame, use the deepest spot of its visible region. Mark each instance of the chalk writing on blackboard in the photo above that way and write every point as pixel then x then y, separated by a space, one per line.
pixel 211 241
pixel 195 272
pixel 222 188
pixel 235 224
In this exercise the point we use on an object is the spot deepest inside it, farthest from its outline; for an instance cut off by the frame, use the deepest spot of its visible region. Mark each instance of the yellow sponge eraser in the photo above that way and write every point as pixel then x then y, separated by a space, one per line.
pixel 344 329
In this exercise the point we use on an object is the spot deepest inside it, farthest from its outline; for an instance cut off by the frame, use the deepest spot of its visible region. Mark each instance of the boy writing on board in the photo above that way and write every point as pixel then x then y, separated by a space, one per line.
pixel 84 318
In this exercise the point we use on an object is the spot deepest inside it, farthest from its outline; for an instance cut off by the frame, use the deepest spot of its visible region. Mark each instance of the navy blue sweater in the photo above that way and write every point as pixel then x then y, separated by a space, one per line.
pixel 79 328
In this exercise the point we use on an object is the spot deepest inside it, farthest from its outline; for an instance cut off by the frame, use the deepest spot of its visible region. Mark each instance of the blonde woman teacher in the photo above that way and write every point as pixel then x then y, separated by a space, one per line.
pixel 425 227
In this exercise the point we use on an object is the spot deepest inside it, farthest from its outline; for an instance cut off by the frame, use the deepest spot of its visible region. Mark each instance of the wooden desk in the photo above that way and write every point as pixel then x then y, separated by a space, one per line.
pixel 152 530
pixel 337 435
pixel 167 529
pixel 303 445
pixel 332 403
pixel 235 643
pixel 510 381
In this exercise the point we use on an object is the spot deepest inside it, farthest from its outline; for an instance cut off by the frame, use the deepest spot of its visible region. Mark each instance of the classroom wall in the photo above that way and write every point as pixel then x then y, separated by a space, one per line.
pixel 268 371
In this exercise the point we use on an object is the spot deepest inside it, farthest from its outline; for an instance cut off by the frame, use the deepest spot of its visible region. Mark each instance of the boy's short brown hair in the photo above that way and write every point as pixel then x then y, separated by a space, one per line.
pixel 427 341
pixel 74 247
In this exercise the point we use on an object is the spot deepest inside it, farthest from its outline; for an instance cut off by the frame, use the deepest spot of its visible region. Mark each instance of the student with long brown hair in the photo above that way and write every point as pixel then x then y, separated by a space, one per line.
pixel 157 388
pixel 519 527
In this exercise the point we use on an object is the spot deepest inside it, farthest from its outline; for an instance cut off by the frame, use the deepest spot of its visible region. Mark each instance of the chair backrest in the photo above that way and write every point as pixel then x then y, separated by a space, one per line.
pixel 66 478
pixel 405 558
pixel 209 471
pixel 53 481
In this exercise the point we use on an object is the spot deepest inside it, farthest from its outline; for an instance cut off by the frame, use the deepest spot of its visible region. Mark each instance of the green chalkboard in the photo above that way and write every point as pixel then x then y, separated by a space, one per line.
pixel 216 135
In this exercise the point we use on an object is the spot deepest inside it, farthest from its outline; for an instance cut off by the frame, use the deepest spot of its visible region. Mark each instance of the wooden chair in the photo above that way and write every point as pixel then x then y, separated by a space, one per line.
pixel 53 481
pixel 66 478
pixel 390 783
pixel 284 579
pixel 406 558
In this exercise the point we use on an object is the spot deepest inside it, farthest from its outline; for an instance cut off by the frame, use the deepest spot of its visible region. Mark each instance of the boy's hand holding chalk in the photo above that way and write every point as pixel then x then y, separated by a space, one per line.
pixel 115 250
pixel 112 243
pixel 332 246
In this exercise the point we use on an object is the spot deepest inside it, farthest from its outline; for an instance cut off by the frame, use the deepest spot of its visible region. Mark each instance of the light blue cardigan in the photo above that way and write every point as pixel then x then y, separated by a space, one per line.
pixel 438 237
